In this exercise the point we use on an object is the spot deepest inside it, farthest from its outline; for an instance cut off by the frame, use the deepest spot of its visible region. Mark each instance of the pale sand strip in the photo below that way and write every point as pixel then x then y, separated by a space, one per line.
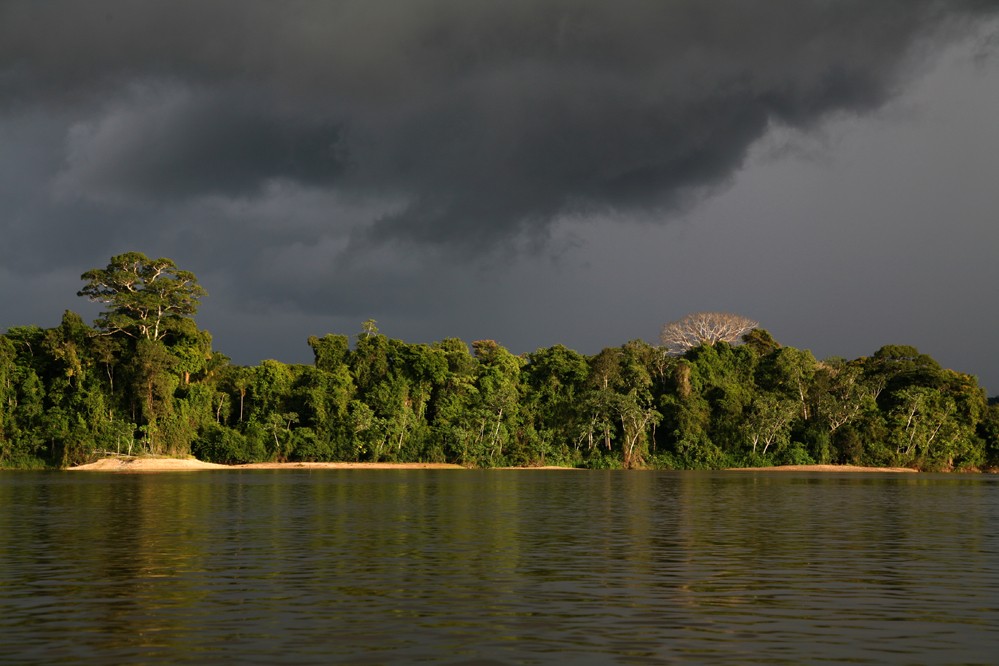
pixel 143 464
pixel 821 468
pixel 125 464
pixel 345 465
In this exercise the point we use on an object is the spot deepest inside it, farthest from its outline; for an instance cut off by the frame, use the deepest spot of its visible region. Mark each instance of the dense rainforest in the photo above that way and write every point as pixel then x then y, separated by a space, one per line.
pixel 144 379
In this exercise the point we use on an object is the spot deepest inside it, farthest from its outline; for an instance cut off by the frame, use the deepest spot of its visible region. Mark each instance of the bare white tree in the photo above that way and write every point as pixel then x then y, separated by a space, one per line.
pixel 704 327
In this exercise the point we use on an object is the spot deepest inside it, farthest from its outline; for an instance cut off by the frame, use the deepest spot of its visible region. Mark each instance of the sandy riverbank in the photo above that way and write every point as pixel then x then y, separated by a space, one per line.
pixel 822 468
pixel 143 464
pixel 137 465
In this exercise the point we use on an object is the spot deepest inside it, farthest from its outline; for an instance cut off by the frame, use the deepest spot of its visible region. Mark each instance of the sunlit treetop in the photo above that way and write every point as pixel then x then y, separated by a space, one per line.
pixel 146 298
pixel 704 328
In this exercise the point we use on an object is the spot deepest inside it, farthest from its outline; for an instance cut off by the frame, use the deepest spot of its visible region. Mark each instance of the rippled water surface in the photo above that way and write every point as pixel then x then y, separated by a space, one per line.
pixel 458 566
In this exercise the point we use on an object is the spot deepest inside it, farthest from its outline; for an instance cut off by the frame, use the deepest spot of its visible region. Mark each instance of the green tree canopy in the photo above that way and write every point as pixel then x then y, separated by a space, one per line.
pixel 146 298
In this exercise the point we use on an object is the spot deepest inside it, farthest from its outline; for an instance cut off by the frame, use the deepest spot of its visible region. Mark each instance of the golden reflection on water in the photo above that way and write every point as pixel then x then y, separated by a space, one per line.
pixel 409 565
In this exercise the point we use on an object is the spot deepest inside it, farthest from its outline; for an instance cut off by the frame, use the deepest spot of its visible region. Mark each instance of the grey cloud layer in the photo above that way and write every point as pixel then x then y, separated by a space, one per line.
pixel 487 120
pixel 317 164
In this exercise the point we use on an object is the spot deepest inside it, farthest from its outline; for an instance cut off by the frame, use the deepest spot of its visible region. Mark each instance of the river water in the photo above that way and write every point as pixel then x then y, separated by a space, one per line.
pixel 498 567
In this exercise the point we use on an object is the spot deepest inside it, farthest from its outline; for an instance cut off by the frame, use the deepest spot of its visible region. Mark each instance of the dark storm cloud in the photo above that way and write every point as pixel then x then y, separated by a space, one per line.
pixel 320 163
pixel 485 120
pixel 169 144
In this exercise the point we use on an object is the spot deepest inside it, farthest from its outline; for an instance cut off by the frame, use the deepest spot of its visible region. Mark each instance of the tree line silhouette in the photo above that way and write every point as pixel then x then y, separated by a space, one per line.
pixel 144 379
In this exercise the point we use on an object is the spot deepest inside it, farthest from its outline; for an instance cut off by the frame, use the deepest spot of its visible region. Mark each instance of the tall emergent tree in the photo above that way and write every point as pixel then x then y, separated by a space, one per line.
pixel 146 298
pixel 704 328
pixel 149 308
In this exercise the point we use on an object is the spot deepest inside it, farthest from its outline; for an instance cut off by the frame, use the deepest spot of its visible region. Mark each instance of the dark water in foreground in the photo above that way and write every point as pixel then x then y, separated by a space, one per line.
pixel 457 566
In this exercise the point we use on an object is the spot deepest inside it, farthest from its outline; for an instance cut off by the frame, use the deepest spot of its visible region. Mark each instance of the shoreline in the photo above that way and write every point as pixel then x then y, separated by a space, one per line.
pixel 142 465
pixel 824 468
pixel 138 465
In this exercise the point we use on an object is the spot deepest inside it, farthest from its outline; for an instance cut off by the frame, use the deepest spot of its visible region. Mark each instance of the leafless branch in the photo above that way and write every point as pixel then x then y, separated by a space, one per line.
pixel 704 328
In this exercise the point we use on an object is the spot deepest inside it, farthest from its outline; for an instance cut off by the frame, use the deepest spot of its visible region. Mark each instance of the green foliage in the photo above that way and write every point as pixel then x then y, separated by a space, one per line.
pixel 988 431
pixel 795 454
pixel 494 411
pixel 554 382
pixel 146 298
pixel 760 341
pixel 331 351
pixel 220 444
pixel 602 460
pixel 145 378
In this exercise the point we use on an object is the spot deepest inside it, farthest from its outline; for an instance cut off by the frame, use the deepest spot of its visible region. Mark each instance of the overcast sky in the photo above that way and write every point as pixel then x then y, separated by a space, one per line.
pixel 535 172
